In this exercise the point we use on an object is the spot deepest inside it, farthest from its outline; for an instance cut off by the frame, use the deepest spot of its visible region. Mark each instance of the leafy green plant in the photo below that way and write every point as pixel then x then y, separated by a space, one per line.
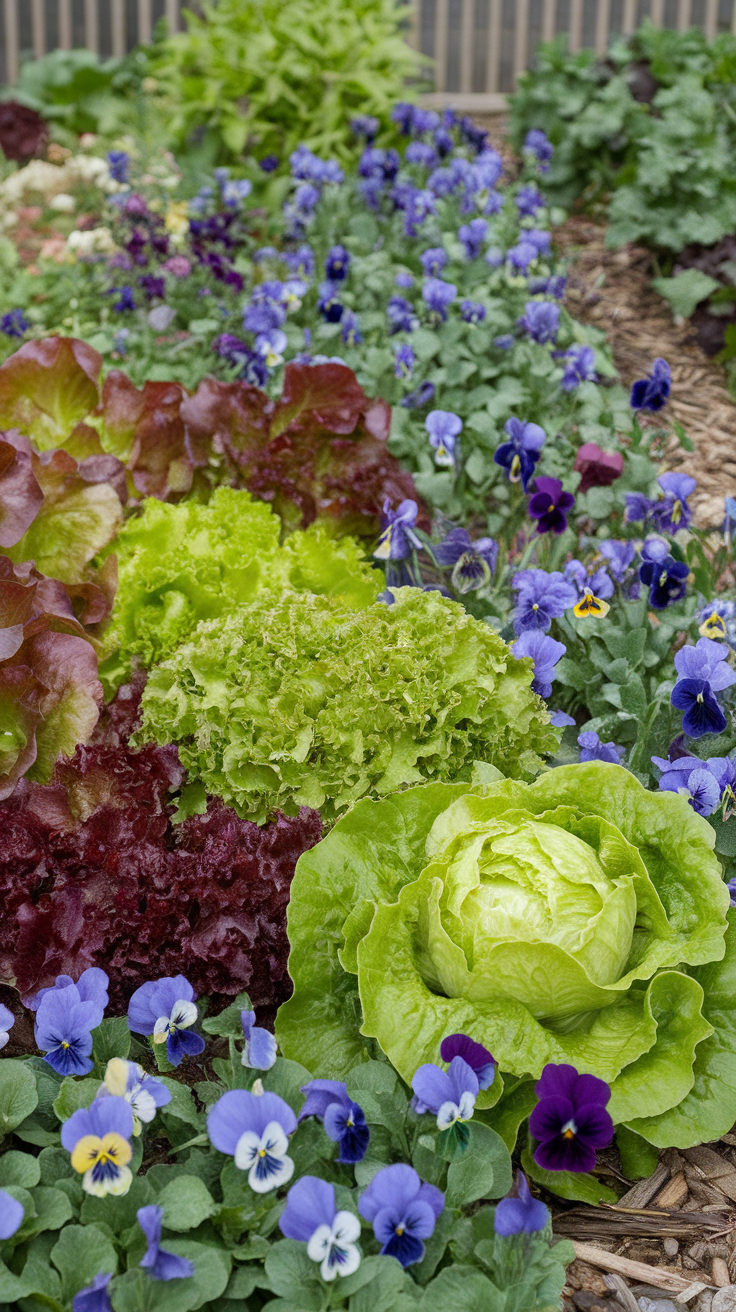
pixel 267 75
pixel 78 92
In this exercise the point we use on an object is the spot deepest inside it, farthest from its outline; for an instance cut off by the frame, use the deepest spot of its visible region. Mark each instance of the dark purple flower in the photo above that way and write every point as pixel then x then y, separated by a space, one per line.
pixel 522 1214
pixel 343 1119
pixel 401 315
pixel 673 512
pixel 160 1264
pixel 545 652
pixel 570 1120
pixel 14 324
pixel 541 320
pixel 473 565
pixel 529 200
pixel 402 1210
pixel 651 393
pixel 152 286
pixel 337 263
pixel 477 1057
pixel 472 311
pixel 549 505
pixel 666 579
pixel 537 144
pixel 421 396
pixel 269 163
pixel 472 135
pixel 126 299
pixel 638 508
pixel 702 713
pixel 579 364
pixel 438 296
pixel 472 236
pixel 542 597
pixel 402 115
pixel 592 749
pixel 520 454
pixel 444 141
pixel 398 537
pixel 364 127
pixel 433 261
pixel 328 305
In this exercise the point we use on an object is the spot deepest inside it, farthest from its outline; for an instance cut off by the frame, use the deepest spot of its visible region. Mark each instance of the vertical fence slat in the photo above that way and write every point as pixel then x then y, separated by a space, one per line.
pixel 711 19
pixel 575 38
pixel 683 15
pixel 91 26
pixel 440 44
pixel 172 18
pixel 38 20
pixel 602 24
pixel 65 24
pixel 466 46
pixel 630 16
pixel 12 41
pixel 733 19
pixel 145 20
pixel 548 20
pixel 657 14
pixel 521 36
pixel 494 46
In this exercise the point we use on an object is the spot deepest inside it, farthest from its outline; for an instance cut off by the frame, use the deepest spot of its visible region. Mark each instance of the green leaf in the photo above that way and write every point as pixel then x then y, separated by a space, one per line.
pixel 461 1289
pixel 74 1094
pixel 228 1023
pixel 483 1171
pixel 685 290
pixel 182 1104
pixel 18 1095
pixel 638 1158
pixel 186 1203
pixel 293 1275
pixel 387 1280
pixel 118 1214
pixel 81 1253
pixel 286 1079
pixel 111 1039
pixel 53 1208
pixel 568 1184
pixel 513 1109
pixel 19 1168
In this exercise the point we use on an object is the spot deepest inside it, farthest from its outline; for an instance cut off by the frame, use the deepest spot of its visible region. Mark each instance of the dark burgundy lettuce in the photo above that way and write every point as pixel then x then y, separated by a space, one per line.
pixel 93 872
pixel 23 132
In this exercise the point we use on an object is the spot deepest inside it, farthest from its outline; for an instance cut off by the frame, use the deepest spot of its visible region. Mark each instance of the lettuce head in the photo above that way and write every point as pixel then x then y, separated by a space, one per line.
pixel 577 919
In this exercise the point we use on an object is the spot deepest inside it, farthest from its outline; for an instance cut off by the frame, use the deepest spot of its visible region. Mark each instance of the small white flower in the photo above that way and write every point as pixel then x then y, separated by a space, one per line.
pixel 183 1014
pixel 334 1246
pixel 265 1158
pixel 450 1112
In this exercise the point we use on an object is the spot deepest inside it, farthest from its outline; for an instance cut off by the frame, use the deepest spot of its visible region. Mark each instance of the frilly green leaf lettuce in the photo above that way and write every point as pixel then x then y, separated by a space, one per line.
pixel 578 919
pixel 296 700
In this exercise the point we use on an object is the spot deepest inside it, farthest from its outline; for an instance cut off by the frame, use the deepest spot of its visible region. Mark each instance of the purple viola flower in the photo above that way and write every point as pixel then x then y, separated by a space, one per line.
pixel 402 115
pixel 401 315
pixel 472 311
pixel 118 163
pixel 433 261
pixel 349 329
pixel 638 508
pixel 421 396
pixel 404 279
pixel 522 255
pixel 398 537
pixel 402 1210
pixel 539 238
pixel 311 1217
pixel 541 320
pixel 592 749
pixel 444 429
pixel 364 127
pixel 65 1017
pixel 673 512
pixel 474 1054
pixel 494 257
pixel 254 1130
pixel 444 142
pixel 520 454
pixel 160 1264
pixel 472 135
pixel 11 1215
pixel 473 564
pixel 91 987
pixel 95 1297
pixel 589 580
pixel 542 597
pixel 337 264
pixel 706 660
pixel 560 720
pixel 570 1120
pixel 579 364
pixel 691 778
pixel 259 1051
pixel 265 317
pixel 537 144
pixel 549 505
pixel 343 1119
pixel 665 577
pixel 421 154
pixel 328 304
pixel 520 1214
pixel 126 299
pixel 528 201
pixel 438 296
pixel 300 261
pixel 14 324
pixel 7 1021
pixel 269 163
pixel 620 556
pixel 651 393
pixel 449 1095
pixel 165 1010
pixel 504 343
pixel 545 652
pixel 472 235
pixel 701 711
pixel 404 361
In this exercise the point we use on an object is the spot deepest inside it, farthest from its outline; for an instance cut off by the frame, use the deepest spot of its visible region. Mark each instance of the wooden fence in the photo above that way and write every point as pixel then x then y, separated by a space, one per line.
pixel 478 46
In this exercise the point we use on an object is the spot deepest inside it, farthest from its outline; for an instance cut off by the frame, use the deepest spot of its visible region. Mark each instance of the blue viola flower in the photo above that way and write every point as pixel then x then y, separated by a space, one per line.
pixel 520 1214
pixel 271 346
pixel 693 779
pixel 404 361
pixel 263 317
pixel 421 154
pixel 444 142
pixel 673 512
pixel 66 1014
pixel 404 279
pixel 570 1120
pixel 545 652
pixel 579 364
pixel 472 235
pixel 542 597
pixel 421 396
pixel 402 1210
pixel 520 454
pixel 349 330
pixel 118 163
pixel 528 201
pixel 550 505
pixel 11 1215
pixel 521 255
pixel 537 144
pixel 729 522
pixel 504 343
pixel 433 261
pixel 540 238
pixel 702 672
pixel 364 127
pixel 651 393
pixel 234 191
pixel 620 556
pixel 715 618
pixel 7 1021
pixel 259 1051
pixel 560 720
pixel 254 1129
pixel 337 263
pixel 592 749
pixel 98 1139
pixel 438 296
pixel 401 315
pixel 541 320
pixel 159 1264
pixel 379 165
pixel 165 1010
pixel 94 1297
pixel 126 298
pixel 472 311
pixel 638 508
pixel 402 115
pixel 473 563
pixel 665 577
pixel 311 1217
pixel 343 1119
pixel 444 429
pixel 269 163
pixel 328 304
pixel 449 1095
pixel 398 537
pixel 14 324
pixel 589 579
pixel 128 1080
pixel 300 261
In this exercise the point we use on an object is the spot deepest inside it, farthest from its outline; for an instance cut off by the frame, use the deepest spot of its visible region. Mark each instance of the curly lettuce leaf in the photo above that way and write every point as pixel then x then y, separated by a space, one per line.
pixel 20 495
pixel 47 387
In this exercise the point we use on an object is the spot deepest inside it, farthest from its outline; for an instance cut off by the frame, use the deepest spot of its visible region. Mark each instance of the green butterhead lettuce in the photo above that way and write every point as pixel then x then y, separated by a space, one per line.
pixel 578 919
pixel 300 701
